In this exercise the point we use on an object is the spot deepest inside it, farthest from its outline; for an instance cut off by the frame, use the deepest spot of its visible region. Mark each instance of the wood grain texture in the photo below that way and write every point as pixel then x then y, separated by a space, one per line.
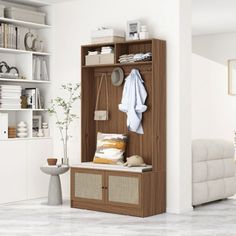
pixel 104 208
pixel 159 102
pixel 152 193
pixel 152 144
pixel 88 138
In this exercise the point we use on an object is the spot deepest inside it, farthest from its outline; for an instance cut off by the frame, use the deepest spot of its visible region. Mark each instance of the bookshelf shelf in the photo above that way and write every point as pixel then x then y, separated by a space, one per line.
pixel 39 110
pixel 13 51
pixel 31 65
pixel 28 138
pixel 24 23
pixel 22 109
pixel 31 151
pixel 18 51
pixel 24 81
pixel 41 53
pixel 9 109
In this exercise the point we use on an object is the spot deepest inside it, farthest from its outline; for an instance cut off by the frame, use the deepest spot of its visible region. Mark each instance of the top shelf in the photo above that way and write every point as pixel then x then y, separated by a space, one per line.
pixel 120 48
pixel 127 42
pixel 24 23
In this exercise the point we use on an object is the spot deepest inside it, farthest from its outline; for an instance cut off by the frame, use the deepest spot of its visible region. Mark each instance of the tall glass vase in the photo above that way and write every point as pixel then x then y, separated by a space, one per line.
pixel 65 159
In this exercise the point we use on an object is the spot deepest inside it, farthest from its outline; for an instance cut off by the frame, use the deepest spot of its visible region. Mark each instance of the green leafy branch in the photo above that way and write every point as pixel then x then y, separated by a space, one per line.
pixel 65 105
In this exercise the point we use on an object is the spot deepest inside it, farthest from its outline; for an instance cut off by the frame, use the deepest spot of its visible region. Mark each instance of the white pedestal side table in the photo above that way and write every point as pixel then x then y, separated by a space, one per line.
pixel 54 190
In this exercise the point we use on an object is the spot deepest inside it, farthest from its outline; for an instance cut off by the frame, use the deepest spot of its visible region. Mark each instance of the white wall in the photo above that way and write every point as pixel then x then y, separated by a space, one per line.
pixel 216 47
pixel 213 110
pixel 168 20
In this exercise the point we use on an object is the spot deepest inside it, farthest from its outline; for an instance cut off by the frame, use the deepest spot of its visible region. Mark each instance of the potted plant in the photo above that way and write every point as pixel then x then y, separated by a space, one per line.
pixel 61 108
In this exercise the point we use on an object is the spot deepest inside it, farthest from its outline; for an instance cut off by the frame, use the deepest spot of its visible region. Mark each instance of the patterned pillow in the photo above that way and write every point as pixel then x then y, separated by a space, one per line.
pixel 110 148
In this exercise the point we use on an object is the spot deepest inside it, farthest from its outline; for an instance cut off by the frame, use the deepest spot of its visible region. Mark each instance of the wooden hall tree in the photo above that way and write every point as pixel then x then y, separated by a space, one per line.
pixel 123 191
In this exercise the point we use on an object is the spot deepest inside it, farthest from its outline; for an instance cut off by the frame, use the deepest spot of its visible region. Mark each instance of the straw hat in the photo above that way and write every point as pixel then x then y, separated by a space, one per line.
pixel 117 76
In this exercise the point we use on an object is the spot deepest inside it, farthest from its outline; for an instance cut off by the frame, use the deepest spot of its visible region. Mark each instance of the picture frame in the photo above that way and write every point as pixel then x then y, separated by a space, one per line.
pixel 133 30
pixel 37 123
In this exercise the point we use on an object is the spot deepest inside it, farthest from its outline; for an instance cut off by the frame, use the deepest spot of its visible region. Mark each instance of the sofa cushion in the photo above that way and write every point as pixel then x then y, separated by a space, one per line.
pixel 199 172
pixel 213 170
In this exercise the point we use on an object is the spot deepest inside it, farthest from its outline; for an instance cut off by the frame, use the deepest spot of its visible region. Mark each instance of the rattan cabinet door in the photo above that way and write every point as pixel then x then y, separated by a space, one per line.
pixel 88 185
pixel 123 189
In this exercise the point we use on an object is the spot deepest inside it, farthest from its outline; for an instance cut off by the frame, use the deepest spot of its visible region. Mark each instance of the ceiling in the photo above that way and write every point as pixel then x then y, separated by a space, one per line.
pixel 213 16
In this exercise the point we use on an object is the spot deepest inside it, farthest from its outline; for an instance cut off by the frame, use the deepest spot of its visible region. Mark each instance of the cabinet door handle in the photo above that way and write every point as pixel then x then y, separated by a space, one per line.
pixel 104 187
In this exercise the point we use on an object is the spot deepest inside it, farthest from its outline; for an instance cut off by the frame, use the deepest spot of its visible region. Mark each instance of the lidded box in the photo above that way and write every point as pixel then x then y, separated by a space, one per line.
pixel 107 36
pixel 25 15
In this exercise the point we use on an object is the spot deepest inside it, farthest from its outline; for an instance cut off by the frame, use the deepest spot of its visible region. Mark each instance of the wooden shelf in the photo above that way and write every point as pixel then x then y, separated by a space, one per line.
pixel 24 23
pixel 121 64
pixel 25 81
pixel 117 43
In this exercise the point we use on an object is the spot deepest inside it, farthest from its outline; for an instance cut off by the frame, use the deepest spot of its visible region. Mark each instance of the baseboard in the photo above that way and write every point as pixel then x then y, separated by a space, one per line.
pixel 178 211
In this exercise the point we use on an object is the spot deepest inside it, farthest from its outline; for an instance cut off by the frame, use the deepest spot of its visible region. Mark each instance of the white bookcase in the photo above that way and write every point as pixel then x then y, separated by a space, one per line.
pixel 23 60
pixel 22 157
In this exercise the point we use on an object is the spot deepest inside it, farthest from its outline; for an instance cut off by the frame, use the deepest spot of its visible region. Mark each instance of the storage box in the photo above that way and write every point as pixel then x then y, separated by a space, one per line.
pixel 92 60
pixel 107 36
pixel 107 33
pixel 25 15
pixel 2 7
pixel 110 39
pixel 107 58
pixel 3 126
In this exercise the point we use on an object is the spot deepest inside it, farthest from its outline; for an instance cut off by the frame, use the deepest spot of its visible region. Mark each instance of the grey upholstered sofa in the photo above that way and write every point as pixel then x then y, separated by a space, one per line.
pixel 213 170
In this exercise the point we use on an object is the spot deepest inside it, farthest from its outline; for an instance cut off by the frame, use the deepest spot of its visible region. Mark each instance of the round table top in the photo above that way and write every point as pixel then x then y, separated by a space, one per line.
pixel 54 170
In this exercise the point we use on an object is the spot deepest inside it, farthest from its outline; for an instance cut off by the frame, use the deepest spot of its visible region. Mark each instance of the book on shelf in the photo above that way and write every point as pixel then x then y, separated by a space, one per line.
pixel 10 96
pixel 10 36
pixel 33 98
pixel 40 70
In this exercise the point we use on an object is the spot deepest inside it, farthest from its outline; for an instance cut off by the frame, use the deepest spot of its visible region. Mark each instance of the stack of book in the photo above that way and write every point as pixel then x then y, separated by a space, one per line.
pixel 40 70
pixel 10 97
pixel 9 36
pixel 11 132
pixel 33 98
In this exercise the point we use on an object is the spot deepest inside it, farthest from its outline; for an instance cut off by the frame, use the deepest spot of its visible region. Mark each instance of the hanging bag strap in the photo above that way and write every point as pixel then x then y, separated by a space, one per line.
pixel 104 76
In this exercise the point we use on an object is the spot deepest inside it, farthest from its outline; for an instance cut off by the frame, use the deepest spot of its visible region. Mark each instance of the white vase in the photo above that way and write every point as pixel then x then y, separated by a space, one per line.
pixel 46 132
pixel 40 133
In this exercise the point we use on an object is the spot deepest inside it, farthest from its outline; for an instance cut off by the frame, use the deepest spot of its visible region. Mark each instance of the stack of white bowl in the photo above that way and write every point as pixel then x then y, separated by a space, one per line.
pixel 46 131
pixel 22 131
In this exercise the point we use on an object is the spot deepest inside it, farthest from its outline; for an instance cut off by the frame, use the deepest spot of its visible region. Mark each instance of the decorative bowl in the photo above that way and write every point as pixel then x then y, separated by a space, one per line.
pixel 52 161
